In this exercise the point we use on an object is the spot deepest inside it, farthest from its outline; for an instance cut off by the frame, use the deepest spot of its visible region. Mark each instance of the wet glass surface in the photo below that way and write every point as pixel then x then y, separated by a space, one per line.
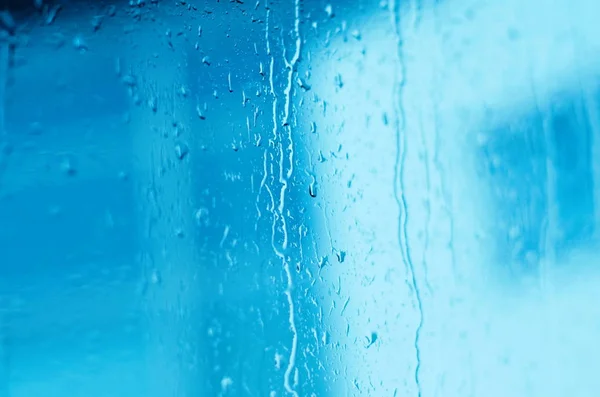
pixel 299 198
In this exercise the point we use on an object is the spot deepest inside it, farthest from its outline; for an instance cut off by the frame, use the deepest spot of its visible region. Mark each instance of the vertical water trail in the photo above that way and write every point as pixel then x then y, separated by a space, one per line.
pixel 399 188
pixel 277 143
pixel 291 66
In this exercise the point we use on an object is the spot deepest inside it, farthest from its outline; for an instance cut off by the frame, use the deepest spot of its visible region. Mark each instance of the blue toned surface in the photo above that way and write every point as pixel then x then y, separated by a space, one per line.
pixel 299 199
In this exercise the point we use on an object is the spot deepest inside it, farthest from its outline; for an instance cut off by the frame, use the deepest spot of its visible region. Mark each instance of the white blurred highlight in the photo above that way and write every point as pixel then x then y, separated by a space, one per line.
pixel 462 58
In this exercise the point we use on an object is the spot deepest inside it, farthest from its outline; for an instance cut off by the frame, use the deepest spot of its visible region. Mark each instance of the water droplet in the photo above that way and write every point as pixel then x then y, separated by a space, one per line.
pixel 341 255
pixel 181 150
pixel 206 60
pixel 322 158
pixel 338 81
pixel 155 277
pixel 371 339
pixel 278 360
pixel 52 13
pixel 183 91
pixel 313 127
pixel 356 34
pixel 312 189
pixel 201 112
pixel 302 84
pixel 323 262
pixel 329 11
pixel 97 22
pixel 79 44
pixel 152 104
pixel 68 167
pixel 201 216
pixel 226 383
pixel 129 80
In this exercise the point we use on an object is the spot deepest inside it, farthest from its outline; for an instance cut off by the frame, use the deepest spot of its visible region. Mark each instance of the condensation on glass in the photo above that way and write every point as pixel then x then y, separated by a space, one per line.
pixel 298 198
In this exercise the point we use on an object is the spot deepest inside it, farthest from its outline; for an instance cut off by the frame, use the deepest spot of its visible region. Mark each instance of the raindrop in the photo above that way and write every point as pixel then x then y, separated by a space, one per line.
pixel 97 22
pixel 313 127
pixel 155 277
pixel 278 360
pixel 79 44
pixel 206 60
pixel 341 255
pixel 52 13
pixel 226 383
pixel 152 103
pixel 183 91
pixel 201 216
pixel 181 151
pixel 68 167
pixel 338 81
pixel 322 158
pixel 371 339
pixel 323 262
pixel 201 112
pixel 329 11
pixel 302 84
pixel 129 80
pixel 312 189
